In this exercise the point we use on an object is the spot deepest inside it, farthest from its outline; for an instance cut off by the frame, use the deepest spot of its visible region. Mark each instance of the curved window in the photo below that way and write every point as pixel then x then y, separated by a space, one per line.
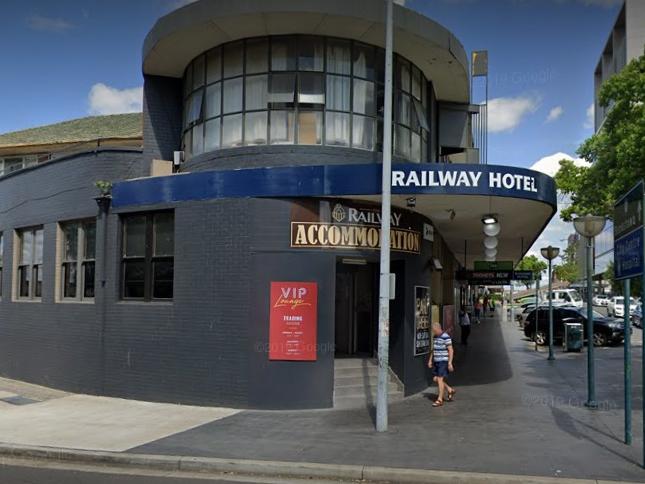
pixel 300 89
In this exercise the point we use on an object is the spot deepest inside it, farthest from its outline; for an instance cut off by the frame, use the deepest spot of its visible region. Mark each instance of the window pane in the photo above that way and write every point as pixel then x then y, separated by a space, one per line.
pixel 416 83
pixel 403 74
pixel 199 72
pixel 420 115
pixel 339 57
pixel 133 279
pixel 38 246
pixel 415 149
pixel 233 54
pixel 232 131
pixel 188 141
pixel 337 129
pixel 255 128
pixel 282 88
pixel 282 127
pixel 163 272
pixel 69 279
pixel 403 109
pixel 363 61
pixel 195 107
pixel 88 279
pixel 12 164
pixel 90 240
pixel 214 100
pixel 364 97
pixel 310 54
pixel 24 277
pixel 310 128
pixel 338 93
pixel 164 233
pixel 70 244
pixel 402 141
pixel 257 56
pixel 283 55
pixel 233 95
pixel 134 231
pixel 312 89
pixel 188 80
pixel 198 140
pixel 211 135
pixel 256 92
pixel 214 65
pixel 27 247
pixel 363 133
pixel 38 277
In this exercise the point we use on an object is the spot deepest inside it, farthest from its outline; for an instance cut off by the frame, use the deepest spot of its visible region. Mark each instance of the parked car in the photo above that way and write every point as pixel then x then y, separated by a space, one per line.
pixel 605 330
pixel 616 306
pixel 524 311
pixel 566 297
pixel 600 300
pixel 637 316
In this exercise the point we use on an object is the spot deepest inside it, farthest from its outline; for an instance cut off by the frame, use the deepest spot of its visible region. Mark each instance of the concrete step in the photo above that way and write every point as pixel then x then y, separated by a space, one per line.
pixel 362 401
pixel 352 372
pixel 347 363
pixel 362 390
pixel 348 381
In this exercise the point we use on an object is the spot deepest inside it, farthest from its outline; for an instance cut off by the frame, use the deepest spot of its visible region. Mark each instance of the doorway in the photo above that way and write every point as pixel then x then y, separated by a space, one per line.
pixel 356 298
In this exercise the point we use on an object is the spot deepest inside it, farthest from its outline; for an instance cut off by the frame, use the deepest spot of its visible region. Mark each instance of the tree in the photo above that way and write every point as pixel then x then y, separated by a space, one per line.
pixel 533 264
pixel 616 152
pixel 568 271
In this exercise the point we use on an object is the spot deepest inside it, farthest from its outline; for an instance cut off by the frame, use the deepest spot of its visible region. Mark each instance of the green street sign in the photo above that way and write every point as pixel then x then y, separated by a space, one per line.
pixel 500 265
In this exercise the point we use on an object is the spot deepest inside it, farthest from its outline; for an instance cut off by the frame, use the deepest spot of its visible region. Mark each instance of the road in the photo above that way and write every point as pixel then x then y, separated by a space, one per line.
pixel 16 471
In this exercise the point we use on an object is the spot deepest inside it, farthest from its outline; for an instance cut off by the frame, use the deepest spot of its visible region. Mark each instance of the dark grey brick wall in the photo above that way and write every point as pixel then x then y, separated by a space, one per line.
pixel 162 117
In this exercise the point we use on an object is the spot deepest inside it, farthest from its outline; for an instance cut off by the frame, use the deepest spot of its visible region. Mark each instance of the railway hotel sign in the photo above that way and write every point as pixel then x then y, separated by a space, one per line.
pixel 342 225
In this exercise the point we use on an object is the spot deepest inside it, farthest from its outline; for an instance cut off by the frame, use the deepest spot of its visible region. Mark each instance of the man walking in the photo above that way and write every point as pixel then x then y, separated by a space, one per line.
pixel 441 363
pixel 464 324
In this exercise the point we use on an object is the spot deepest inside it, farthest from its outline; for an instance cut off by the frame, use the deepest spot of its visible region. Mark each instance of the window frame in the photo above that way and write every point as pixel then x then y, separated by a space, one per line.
pixel 80 261
pixel 33 267
pixel 148 259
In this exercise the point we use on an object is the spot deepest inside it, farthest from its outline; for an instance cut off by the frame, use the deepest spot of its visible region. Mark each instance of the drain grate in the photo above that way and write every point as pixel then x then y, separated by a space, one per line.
pixel 18 400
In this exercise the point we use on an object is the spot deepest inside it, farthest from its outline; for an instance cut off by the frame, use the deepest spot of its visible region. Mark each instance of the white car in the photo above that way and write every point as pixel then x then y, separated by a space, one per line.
pixel 600 300
pixel 616 306
pixel 566 297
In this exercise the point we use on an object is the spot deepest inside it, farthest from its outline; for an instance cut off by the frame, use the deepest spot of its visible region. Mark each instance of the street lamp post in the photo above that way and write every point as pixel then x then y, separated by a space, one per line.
pixel 550 253
pixel 589 226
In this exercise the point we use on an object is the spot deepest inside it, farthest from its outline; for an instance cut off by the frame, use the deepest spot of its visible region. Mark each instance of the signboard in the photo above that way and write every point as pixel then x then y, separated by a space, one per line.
pixel 500 265
pixel 523 275
pixel 293 321
pixel 494 278
pixel 343 225
pixel 628 234
pixel 421 320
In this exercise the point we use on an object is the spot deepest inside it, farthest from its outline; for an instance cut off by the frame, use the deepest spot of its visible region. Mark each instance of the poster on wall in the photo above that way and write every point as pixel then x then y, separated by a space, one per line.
pixel 421 320
pixel 293 321
pixel 449 320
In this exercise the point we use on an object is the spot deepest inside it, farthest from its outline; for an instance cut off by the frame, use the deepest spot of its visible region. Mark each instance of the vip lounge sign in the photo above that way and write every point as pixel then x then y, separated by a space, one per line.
pixel 354 226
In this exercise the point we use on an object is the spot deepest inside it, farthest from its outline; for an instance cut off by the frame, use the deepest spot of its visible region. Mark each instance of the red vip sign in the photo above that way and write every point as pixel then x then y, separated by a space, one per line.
pixel 293 321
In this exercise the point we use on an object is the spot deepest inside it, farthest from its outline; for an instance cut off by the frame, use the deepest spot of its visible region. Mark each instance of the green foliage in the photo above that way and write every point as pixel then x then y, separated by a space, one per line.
pixel 533 264
pixel 617 151
pixel 567 271
pixel 105 187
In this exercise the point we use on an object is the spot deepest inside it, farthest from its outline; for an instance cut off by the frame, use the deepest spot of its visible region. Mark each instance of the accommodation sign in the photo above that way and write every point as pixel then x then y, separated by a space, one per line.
pixel 350 226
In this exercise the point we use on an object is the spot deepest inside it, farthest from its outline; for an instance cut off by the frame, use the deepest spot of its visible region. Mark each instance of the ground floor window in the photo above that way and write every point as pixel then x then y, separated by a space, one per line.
pixel 30 263
pixel 148 256
pixel 78 259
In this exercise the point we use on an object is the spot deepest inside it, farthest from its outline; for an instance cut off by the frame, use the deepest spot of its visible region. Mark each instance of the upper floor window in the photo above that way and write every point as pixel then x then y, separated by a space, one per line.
pixel 306 90
pixel 148 256
pixel 78 260
pixel 30 263
pixel 9 164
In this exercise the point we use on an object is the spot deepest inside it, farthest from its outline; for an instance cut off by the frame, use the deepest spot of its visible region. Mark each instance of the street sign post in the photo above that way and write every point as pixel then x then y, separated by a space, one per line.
pixel 629 257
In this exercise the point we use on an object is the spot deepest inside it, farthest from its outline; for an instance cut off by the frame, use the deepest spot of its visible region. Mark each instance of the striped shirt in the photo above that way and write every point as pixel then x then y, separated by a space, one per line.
pixel 440 347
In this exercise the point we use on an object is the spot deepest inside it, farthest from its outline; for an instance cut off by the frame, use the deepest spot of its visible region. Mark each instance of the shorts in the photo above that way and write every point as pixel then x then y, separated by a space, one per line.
pixel 440 368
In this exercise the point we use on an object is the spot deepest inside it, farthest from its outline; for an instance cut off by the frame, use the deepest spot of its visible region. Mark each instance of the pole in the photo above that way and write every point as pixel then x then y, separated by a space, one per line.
pixel 384 288
pixel 591 370
pixel 551 354
pixel 537 305
pixel 643 344
pixel 628 364
pixel 512 308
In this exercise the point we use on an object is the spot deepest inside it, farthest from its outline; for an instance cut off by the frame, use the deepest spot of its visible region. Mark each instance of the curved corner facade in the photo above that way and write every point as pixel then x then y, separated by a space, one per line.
pixel 247 276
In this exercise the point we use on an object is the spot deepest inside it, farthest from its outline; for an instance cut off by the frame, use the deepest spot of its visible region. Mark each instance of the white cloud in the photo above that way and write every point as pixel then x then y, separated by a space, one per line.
pixel 506 113
pixel 49 24
pixel 109 100
pixel 551 164
pixel 554 114
pixel 589 120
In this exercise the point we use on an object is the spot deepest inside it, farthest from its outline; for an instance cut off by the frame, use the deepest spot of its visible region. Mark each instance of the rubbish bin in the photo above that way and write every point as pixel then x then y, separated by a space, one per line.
pixel 573 337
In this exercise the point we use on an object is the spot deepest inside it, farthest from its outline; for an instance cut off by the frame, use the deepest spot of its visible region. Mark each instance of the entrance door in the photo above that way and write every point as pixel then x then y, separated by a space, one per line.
pixel 355 310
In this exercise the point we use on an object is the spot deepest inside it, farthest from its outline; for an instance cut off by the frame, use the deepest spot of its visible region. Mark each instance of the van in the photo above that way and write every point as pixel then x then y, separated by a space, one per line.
pixel 566 297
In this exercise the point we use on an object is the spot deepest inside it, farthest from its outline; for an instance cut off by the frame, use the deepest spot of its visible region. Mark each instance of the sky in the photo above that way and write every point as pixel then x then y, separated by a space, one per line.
pixel 74 58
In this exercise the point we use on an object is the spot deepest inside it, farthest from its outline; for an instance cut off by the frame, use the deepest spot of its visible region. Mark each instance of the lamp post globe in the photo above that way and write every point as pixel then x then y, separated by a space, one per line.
pixel 550 253
pixel 588 226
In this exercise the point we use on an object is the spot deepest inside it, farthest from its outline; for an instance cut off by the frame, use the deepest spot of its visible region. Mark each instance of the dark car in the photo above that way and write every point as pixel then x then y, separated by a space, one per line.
pixel 605 330
pixel 637 317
